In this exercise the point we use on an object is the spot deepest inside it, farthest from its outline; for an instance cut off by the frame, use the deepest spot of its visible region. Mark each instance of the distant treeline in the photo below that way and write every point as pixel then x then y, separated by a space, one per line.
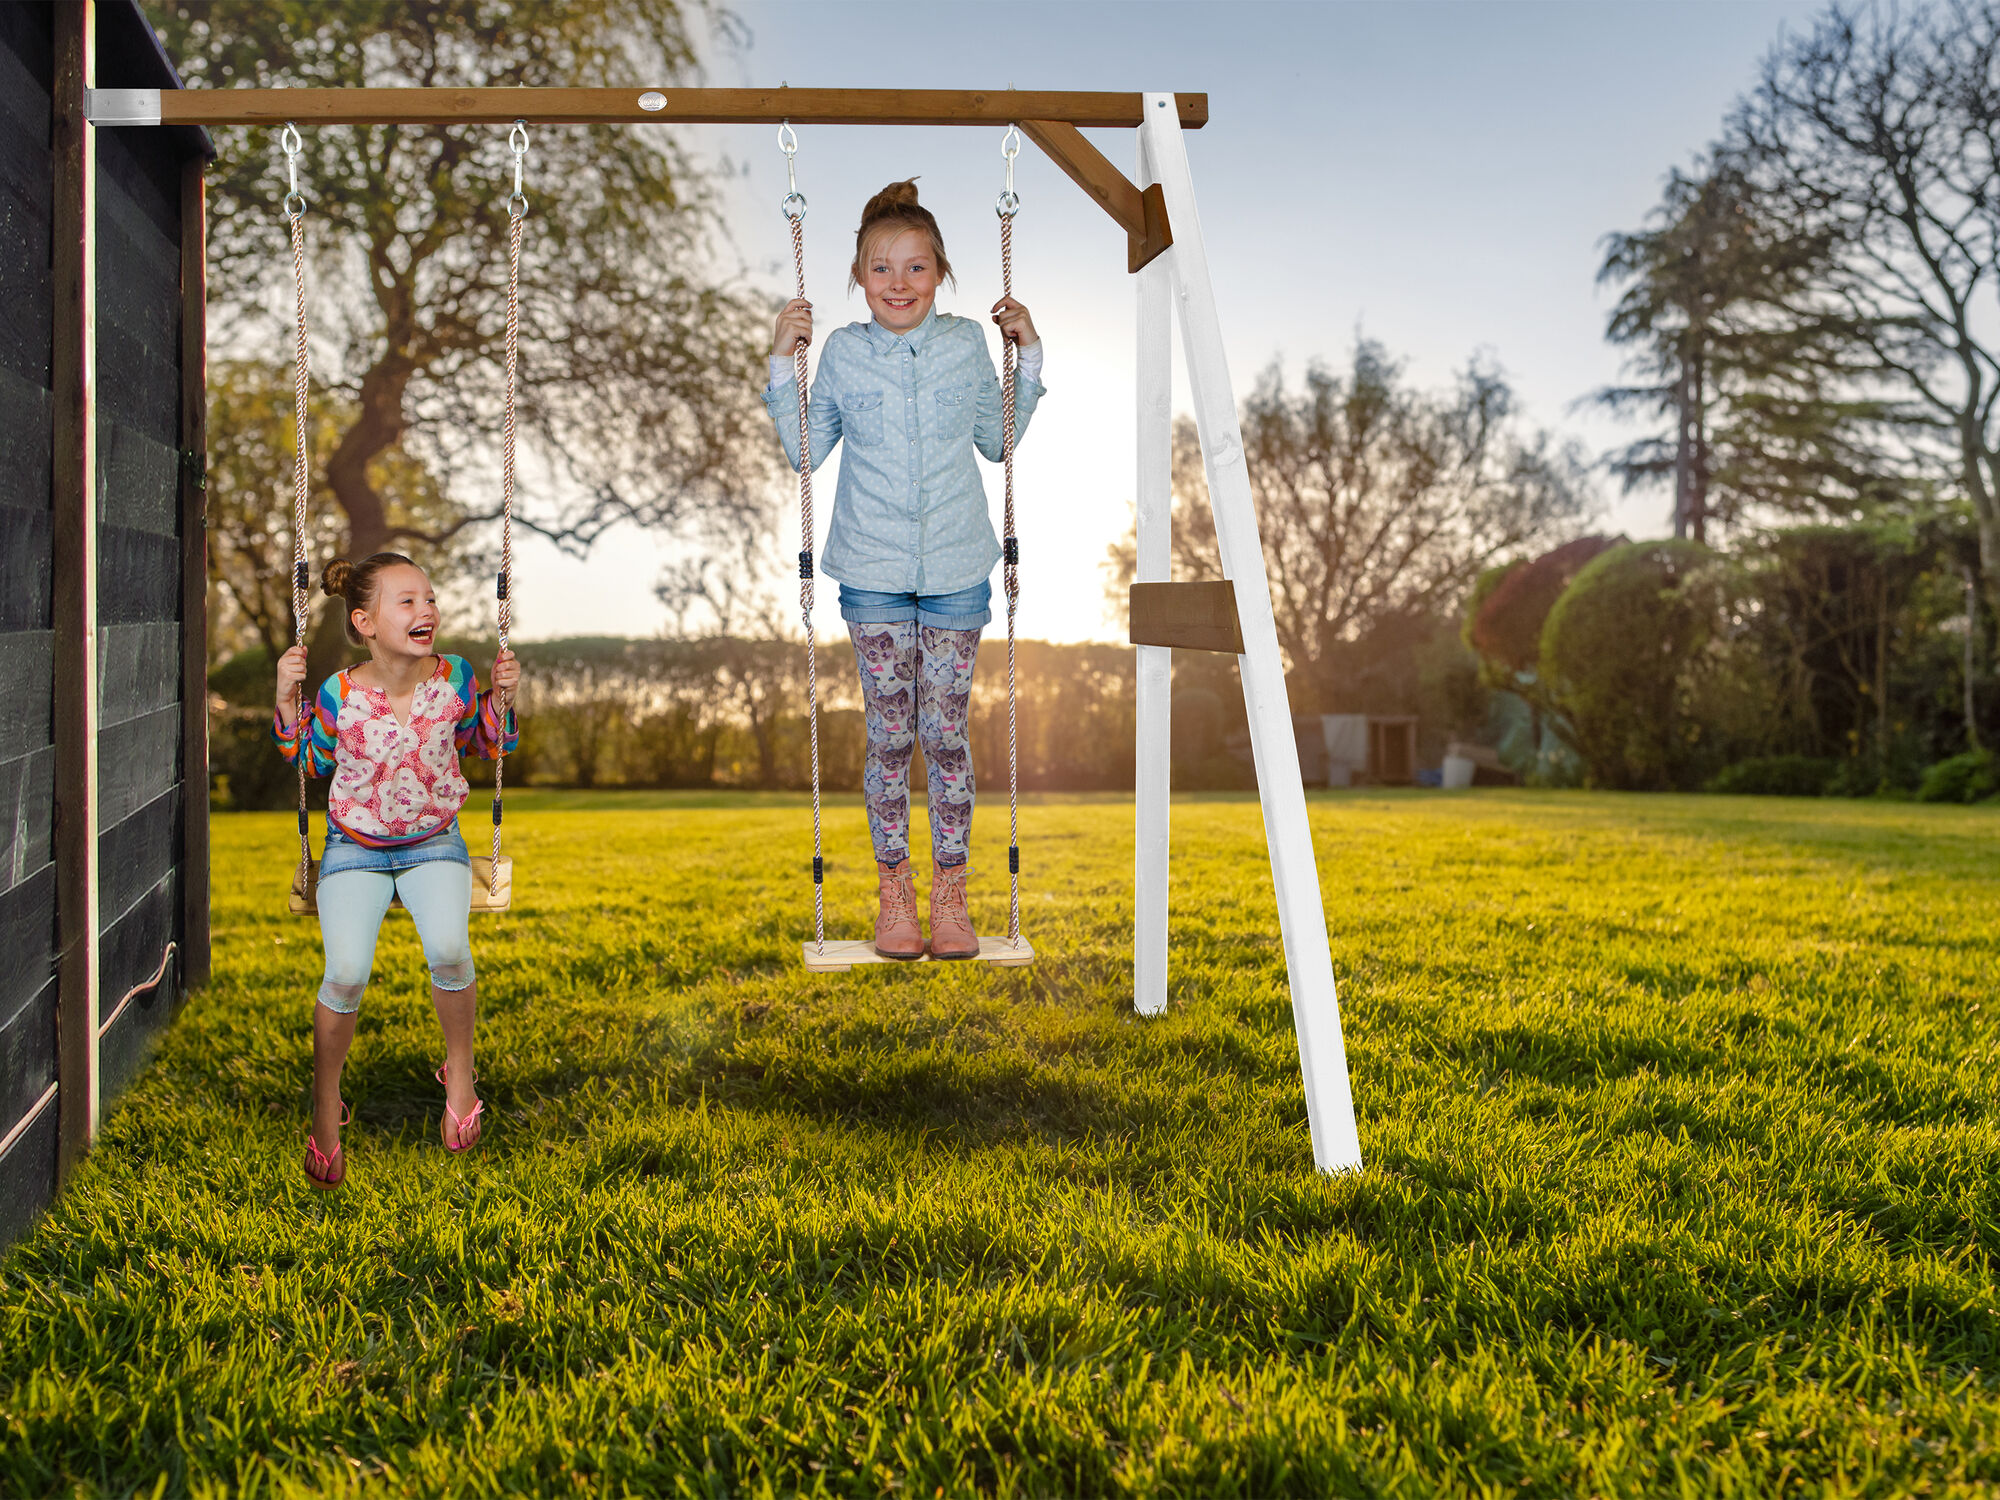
pixel 730 712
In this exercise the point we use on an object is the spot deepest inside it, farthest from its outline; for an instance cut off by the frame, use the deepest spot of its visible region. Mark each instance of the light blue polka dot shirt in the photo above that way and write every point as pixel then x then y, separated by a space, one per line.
pixel 910 513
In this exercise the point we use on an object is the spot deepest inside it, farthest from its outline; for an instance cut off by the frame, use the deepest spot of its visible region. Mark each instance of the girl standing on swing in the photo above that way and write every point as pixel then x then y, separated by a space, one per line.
pixel 913 392
pixel 390 732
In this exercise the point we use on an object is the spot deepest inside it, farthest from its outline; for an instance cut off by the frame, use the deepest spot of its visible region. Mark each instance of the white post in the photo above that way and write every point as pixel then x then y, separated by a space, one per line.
pixel 1153 771
pixel 1301 918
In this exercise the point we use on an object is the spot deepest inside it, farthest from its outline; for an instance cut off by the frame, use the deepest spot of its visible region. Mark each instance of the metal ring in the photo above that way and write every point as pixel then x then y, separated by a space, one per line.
pixel 517 206
pixel 518 137
pixel 295 205
pixel 794 206
pixel 788 139
pixel 1007 204
pixel 292 141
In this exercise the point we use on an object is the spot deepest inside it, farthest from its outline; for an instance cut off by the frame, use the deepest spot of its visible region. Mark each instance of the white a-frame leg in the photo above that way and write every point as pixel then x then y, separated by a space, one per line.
pixel 1180 278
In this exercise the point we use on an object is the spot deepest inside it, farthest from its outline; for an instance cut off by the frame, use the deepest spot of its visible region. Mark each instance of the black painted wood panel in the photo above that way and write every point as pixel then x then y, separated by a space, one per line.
pixel 137 762
pixel 27 671
pixel 27 434
pixel 138 479
pixel 27 817
pixel 132 950
pixel 27 1054
pixel 138 576
pixel 26 193
pixel 26 577
pixel 28 1172
pixel 27 937
pixel 138 670
pixel 135 855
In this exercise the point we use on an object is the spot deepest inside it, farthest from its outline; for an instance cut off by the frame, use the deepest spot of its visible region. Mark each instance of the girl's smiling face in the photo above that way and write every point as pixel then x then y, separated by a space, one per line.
pixel 900 280
pixel 403 621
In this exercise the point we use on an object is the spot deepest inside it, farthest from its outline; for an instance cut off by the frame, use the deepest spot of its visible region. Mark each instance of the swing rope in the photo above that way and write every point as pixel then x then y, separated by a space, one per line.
pixel 517 212
pixel 295 209
pixel 794 209
pixel 1007 206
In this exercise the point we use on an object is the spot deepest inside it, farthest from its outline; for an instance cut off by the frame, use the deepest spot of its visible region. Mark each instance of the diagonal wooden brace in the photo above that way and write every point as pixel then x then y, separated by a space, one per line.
pixel 1143 214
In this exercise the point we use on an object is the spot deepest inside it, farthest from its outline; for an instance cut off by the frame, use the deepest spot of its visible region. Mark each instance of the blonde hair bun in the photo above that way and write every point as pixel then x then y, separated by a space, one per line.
pixel 888 214
pixel 335 577
pixel 897 197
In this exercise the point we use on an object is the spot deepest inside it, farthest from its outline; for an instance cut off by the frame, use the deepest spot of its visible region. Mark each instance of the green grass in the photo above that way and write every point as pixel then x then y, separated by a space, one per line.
pixel 1682 1177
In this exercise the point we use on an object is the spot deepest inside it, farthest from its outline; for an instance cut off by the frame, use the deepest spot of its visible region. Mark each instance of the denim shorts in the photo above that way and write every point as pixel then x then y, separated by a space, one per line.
pixel 343 853
pixel 968 609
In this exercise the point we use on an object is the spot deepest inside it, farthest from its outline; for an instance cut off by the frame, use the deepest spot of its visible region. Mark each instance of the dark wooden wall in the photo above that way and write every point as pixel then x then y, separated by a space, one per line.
pixel 140 778
pixel 145 525
pixel 27 683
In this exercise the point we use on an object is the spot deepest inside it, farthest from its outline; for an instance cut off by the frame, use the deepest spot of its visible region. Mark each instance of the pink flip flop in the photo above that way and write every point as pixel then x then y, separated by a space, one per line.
pixel 452 1128
pixel 322 1171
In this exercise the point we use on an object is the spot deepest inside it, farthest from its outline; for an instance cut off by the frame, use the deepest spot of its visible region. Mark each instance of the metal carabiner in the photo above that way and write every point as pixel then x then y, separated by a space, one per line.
pixel 794 204
pixel 1009 202
pixel 517 138
pixel 294 143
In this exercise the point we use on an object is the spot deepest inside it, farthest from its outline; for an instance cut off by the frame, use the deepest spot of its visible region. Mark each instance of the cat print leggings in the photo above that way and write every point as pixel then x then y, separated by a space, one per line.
pixel 916 681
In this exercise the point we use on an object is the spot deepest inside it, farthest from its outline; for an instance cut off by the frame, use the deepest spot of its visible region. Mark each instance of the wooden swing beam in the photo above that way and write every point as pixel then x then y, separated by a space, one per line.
pixel 1050 118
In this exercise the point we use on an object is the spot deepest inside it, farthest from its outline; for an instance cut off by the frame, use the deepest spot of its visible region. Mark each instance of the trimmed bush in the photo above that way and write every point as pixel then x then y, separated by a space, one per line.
pixel 1776 776
pixel 1971 777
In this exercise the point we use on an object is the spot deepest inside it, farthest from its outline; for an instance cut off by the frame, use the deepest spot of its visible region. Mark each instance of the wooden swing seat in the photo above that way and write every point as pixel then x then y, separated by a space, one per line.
pixel 488 894
pixel 840 957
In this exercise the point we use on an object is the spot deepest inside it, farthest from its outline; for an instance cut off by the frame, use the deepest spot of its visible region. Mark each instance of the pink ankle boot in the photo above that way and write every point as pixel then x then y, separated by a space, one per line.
pixel 951 924
pixel 897 934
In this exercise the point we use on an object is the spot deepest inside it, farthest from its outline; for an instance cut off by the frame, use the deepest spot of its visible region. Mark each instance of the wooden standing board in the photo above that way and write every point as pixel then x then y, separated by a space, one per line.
pixel 838 958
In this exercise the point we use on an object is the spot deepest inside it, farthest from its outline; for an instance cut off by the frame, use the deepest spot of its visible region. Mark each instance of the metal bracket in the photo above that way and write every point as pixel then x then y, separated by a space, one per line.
pixel 122 106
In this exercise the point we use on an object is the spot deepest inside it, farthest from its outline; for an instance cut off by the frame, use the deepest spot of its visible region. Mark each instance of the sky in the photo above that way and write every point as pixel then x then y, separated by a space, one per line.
pixel 1436 175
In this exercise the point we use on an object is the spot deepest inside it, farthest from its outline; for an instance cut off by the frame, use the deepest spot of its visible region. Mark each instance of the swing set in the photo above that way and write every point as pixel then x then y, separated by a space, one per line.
pixel 1166 255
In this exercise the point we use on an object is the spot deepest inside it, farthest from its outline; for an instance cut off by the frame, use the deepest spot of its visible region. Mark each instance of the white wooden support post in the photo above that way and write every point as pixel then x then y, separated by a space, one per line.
pixel 1301 918
pixel 1153 769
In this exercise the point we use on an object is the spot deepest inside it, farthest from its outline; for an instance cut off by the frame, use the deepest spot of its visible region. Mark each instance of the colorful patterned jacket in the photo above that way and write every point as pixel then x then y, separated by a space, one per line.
pixel 396 783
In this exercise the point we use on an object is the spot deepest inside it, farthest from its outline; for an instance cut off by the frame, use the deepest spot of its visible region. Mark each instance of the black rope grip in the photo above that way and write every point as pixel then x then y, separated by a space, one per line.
pixel 496 811
pixel 301 575
pixel 1010 551
pixel 305 823
pixel 500 585
pixel 819 870
pixel 1013 859
pixel 805 565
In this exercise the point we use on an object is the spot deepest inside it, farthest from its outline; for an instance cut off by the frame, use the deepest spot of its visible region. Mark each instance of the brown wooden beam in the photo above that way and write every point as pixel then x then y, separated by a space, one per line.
pixel 1186 616
pixel 1143 214
pixel 421 106
pixel 194 576
pixel 74 537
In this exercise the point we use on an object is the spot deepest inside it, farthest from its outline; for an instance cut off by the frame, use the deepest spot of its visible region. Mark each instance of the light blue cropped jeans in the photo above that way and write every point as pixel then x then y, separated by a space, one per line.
pixel 434 880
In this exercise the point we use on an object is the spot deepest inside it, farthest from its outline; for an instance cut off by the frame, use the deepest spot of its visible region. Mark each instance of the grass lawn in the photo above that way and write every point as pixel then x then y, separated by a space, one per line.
pixel 1683 1176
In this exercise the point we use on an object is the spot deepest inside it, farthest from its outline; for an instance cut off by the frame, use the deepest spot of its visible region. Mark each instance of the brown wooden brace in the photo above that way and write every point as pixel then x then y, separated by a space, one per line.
pixel 1186 616
pixel 1143 214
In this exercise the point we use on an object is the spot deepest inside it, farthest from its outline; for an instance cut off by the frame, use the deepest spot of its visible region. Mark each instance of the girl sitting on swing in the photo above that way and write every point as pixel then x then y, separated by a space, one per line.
pixel 913 392
pixel 390 732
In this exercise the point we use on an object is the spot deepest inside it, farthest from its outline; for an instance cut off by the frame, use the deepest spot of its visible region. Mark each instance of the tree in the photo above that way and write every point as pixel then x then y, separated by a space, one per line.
pixel 1631 655
pixel 1378 504
pixel 1754 377
pixel 250 442
pixel 637 375
pixel 1880 131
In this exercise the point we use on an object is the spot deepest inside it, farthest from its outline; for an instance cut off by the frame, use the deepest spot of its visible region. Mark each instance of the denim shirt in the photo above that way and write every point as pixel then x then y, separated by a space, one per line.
pixel 910 513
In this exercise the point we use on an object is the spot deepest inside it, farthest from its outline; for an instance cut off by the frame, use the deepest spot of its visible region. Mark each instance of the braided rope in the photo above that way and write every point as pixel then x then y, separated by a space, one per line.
pixel 299 482
pixel 505 585
pixel 806 582
pixel 1010 574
